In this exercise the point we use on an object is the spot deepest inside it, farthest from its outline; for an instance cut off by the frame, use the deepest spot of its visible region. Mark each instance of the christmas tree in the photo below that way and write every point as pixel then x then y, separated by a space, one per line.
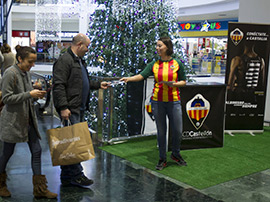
pixel 123 36
pixel 124 33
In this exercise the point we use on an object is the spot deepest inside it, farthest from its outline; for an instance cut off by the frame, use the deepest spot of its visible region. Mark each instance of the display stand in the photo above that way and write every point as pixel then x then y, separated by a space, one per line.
pixel 203 106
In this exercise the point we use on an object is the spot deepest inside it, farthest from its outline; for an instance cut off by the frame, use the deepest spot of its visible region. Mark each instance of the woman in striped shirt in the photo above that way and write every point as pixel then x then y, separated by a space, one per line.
pixel 169 75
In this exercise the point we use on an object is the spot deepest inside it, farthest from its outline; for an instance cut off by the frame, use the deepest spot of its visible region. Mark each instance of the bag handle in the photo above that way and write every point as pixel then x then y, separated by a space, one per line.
pixel 63 123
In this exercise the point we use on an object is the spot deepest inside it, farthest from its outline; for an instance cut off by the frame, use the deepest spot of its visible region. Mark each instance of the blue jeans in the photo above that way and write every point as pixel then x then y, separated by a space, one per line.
pixel 75 170
pixel 174 112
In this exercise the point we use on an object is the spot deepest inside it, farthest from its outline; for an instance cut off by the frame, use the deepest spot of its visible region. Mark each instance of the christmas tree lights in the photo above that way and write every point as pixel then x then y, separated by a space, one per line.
pixel 123 36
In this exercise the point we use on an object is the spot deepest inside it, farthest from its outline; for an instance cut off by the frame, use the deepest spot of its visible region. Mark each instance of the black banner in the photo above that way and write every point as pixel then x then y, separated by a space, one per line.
pixel 246 76
pixel 203 115
pixel 135 107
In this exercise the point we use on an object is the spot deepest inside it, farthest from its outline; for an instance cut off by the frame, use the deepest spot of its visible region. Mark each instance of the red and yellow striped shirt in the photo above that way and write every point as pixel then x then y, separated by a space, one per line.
pixel 165 71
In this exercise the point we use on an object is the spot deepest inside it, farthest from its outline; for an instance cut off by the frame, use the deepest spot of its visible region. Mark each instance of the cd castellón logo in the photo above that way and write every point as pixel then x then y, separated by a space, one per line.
pixel 236 36
pixel 197 110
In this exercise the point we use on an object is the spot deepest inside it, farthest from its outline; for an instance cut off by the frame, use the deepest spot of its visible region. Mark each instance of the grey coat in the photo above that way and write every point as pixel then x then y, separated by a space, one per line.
pixel 15 116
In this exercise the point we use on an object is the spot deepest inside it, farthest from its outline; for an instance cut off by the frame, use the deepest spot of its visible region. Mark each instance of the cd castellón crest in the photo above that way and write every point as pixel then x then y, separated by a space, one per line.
pixel 197 110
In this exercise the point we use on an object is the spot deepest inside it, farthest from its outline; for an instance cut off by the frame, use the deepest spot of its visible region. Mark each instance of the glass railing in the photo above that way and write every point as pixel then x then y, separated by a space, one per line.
pixel 200 67
pixel 45 58
pixel 34 1
pixel 24 2
pixel 208 66
pixel 43 82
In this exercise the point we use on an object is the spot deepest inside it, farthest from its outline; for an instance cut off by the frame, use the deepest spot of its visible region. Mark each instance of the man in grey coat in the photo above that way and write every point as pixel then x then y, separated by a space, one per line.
pixel 71 97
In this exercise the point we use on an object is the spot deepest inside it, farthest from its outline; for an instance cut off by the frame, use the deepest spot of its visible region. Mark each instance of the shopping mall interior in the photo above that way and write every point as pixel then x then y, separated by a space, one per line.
pixel 116 178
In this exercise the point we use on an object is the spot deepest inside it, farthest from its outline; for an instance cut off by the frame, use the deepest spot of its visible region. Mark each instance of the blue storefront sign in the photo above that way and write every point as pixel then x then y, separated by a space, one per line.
pixel 205 25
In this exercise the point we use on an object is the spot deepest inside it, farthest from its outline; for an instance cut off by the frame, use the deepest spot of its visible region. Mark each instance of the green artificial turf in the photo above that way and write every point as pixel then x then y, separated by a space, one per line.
pixel 241 155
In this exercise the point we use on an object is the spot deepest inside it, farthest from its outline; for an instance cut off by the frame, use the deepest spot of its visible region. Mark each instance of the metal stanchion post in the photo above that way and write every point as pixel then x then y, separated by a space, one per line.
pixel 110 130
pixel 100 115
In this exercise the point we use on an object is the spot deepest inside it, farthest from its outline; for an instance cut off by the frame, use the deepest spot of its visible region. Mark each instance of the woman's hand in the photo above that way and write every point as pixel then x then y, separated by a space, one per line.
pixel 125 79
pixel 179 84
pixel 37 93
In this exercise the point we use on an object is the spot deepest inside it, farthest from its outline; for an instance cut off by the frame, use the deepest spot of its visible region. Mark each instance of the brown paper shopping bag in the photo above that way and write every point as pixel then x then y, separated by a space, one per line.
pixel 70 144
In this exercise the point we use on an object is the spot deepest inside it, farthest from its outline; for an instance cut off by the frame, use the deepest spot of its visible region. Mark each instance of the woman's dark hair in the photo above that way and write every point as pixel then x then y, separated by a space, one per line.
pixel 23 51
pixel 5 48
pixel 168 42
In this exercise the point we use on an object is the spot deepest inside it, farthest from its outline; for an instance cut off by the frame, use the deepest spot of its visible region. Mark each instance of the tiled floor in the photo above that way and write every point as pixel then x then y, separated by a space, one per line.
pixel 118 180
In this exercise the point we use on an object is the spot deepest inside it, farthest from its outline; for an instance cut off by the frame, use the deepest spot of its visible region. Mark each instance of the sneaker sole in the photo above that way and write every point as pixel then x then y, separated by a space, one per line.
pixel 177 162
pixel 80 185
pixel 162 167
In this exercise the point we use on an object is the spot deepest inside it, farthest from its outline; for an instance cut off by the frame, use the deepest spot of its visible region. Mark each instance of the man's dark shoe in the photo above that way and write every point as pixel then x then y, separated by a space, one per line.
pixel 161 164
pixel 179 160
pixel 81 181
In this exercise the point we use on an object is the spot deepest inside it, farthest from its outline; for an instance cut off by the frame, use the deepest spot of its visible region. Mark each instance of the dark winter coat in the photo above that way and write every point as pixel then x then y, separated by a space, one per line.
pixel 67 81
